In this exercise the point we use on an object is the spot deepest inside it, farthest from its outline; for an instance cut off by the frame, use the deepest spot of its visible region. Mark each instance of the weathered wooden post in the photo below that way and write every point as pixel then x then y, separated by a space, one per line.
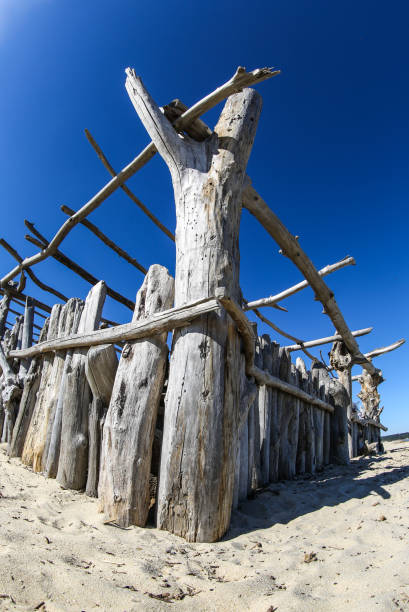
pixel 49 449
pixel 73 460
pixel 339 422
pixel 4 310
pixel 202 402
pixel 341 361
pixel 27 335
pixel 130 421
pixel 100 369
pixel 36 423
pixel 28 400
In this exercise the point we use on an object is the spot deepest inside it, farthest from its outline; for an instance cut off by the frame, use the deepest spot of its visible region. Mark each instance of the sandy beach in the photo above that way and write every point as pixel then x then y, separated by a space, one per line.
pixel 336 541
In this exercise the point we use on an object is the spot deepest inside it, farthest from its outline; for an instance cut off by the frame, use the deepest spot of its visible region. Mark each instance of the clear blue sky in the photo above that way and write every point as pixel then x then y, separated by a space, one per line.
pixel 330 156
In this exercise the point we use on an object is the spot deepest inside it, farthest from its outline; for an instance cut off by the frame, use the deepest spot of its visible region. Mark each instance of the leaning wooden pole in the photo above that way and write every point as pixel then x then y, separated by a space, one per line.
pixel 291 248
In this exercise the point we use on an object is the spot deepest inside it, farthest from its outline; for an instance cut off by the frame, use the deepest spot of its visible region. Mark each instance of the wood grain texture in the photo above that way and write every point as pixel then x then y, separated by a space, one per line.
pixel 73 460
pixel 100 369
pixel 130 421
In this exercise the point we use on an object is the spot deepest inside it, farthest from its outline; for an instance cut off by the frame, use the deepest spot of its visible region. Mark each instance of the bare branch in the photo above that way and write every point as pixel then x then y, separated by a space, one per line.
pixel 272 300
pixel 327 340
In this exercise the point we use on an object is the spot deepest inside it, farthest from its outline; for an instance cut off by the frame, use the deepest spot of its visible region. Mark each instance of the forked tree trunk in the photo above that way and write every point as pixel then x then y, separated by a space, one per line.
pixel 202 401
pixel 131 418
pixel 73 460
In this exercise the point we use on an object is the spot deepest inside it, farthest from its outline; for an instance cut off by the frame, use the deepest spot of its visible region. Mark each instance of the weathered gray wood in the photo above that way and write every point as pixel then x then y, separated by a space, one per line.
pixel 275 425
pixel 199 443
pixel 69 323
pixel 130 421
pixel 28 400
pixel 385 349
pixel 303 423
pixel 341 361
pixel 318 417
pixel 339 423
pixel 273 299
pixel 36 424
pixel 73 460
pixel 265 407
pixel 161 322
pixel 4 310
pixel 292 249
pixel 236 83
pixel 27 335
pixel 327 340
pixel 100 369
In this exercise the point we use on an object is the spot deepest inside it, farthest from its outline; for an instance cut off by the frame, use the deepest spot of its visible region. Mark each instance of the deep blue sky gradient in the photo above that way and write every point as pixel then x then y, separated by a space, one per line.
pixel 330 156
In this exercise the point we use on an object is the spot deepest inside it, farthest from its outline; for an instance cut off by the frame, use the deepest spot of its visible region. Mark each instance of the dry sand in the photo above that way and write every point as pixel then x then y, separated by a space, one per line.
pixel 352 522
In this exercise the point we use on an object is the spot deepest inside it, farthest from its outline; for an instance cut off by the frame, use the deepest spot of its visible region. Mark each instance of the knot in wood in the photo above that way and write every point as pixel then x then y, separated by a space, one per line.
pixel 127 350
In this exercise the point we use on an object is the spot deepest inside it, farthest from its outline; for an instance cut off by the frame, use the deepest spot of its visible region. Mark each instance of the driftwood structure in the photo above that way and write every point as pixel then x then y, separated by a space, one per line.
pixel 182 435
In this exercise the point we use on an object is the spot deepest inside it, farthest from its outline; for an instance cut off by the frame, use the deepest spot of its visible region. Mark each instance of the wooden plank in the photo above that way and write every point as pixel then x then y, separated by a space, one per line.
pixel 157 324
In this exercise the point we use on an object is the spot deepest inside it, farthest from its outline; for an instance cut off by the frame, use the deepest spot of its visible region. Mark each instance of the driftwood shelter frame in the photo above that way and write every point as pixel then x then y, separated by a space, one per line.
pixel 208 169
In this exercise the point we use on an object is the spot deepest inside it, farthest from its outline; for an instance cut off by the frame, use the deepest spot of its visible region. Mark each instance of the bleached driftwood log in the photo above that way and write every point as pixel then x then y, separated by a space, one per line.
pixel 265 401
pixel 318 416
pixel 200 436
pixel 28 400
pixel 36 423
pixel 275 427
pixel 130 422
pixel 274 299
pixel 69 322
pixel 100 369
pixel 73 460
pixel 292 249
pixel 327 340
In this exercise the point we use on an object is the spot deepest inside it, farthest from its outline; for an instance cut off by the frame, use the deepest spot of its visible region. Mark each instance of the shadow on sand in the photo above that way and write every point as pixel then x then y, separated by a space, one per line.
pixel 282 502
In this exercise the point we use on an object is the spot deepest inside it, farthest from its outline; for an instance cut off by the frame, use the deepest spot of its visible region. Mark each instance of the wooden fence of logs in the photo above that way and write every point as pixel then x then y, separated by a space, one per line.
pixel 181 435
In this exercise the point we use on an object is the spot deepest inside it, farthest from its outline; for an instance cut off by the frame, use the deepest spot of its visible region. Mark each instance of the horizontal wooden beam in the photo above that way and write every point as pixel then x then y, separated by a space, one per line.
pixel 261 376
pixel 20 298
pixel 356 419
pixel 273 299
pixel 110 243
pixel 126 189
pixel 72 265
pixel 30 273
pixel 327 340
pixel 158 323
